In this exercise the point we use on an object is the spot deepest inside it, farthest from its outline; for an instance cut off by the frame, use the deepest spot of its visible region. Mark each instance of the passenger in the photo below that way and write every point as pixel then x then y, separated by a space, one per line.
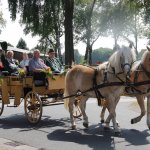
pixel 25 61
pixel 10 64
pixel 36 68
pixel 53 62
pixel 36 63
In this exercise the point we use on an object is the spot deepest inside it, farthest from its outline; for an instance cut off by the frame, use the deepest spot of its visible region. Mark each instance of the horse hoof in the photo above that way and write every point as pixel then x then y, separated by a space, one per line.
pixel 102 121
pixel 118 133
pixel 74 127
pixel 132 121
pixel 85 125
pixel 118 124
pixel 106 128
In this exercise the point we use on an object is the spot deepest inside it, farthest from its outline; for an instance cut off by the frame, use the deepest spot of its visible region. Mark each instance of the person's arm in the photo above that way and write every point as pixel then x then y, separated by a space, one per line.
pixel 48 63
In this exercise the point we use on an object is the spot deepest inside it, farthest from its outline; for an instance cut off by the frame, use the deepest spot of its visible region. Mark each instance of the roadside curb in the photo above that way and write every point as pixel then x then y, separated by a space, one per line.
pixel 6 144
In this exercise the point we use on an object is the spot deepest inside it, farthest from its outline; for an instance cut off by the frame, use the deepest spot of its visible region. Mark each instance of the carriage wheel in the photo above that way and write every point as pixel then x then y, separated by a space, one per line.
pixel 77 112
pixel 1 106
pixel 33 107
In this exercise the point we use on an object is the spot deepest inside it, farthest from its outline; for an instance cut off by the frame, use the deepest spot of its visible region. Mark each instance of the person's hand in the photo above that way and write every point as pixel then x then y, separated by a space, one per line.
pixel 48 69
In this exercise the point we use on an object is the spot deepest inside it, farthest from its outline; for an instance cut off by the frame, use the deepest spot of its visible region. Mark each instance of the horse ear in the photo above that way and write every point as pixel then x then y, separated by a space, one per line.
pixel 148 48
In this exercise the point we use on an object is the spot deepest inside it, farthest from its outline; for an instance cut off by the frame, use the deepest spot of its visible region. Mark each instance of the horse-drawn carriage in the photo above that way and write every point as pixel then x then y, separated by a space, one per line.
pixel 35 93
pixel 107 81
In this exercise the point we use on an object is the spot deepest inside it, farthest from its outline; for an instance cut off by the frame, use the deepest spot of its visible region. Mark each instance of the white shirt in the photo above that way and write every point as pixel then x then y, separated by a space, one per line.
pixel 24 63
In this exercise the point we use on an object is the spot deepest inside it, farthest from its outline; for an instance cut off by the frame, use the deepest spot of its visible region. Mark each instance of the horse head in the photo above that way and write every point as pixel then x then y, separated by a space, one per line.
pixel 123 59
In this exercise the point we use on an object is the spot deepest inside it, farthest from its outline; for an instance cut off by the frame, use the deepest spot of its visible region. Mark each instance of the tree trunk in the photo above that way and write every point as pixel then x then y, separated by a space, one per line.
pixel 89 33
pixel 90 55
pixel 69 49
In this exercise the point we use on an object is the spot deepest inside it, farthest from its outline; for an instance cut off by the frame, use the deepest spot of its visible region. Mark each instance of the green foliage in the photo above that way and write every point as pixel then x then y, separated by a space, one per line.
pixel 40 17
pixel 22 44
pixel 77 57
pixel 101 55
pixel 2 21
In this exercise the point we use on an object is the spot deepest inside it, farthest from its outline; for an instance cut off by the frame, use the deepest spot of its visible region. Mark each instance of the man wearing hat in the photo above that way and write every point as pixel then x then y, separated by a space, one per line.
pixel 10 64
pixel 53 62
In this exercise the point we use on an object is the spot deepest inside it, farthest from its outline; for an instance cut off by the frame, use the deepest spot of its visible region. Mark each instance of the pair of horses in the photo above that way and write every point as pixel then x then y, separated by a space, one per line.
pixel 80 78
pixel 117 69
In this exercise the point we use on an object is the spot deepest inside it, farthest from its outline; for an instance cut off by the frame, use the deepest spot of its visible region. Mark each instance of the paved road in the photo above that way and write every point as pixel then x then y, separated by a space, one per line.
pixel 53 132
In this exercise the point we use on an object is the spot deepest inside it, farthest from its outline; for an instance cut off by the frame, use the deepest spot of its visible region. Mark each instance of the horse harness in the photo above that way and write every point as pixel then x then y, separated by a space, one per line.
pixel 135 83
pixel 128 84
pixel 98 94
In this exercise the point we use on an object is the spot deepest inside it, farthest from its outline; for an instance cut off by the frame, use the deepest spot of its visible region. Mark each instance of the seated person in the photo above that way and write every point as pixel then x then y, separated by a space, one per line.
pixel 36 64
pixel 25 60
pixel 10 64
pixel 37 67
pixel 24 64
pixel 53 62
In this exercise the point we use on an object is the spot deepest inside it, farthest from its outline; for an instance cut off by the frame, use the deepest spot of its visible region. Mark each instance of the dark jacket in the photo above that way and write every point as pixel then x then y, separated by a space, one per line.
pixel 54 64
pixel 9 65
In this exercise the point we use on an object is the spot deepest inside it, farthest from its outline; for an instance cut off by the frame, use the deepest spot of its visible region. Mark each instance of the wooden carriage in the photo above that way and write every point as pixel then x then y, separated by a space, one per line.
pixel 15 88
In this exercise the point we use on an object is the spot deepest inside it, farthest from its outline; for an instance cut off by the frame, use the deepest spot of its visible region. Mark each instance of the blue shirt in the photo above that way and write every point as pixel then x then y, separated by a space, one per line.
pixel 36 64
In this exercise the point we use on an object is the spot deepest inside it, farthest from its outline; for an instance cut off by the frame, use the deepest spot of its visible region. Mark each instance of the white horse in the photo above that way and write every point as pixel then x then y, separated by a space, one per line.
pixel 80 78
pixel 140 72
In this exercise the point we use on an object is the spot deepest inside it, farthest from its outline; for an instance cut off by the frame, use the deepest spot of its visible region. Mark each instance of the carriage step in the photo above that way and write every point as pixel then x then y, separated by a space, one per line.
pixel 12 105
pixel 53 103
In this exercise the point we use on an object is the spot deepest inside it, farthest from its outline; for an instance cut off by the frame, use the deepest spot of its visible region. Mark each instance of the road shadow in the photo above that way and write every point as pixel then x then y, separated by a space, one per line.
pixel 20 121
pixel 136 137
pixel 98 138
pixel 95 137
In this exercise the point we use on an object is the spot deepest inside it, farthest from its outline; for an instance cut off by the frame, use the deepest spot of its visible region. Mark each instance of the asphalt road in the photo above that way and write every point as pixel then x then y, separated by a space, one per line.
pixel 54 133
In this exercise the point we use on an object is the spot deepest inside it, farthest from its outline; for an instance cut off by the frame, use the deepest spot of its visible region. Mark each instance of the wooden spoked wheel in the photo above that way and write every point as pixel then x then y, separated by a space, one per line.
pixel 33 107
pixel 1 106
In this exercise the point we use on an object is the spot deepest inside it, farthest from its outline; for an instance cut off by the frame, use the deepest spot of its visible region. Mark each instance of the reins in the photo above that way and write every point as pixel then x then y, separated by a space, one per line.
pixel 99 86
pixel 127 83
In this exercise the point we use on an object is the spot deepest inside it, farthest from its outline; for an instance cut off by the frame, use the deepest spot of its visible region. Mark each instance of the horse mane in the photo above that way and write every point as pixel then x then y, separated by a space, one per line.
pixel 135 65
pixel 125 52
pixel 144 56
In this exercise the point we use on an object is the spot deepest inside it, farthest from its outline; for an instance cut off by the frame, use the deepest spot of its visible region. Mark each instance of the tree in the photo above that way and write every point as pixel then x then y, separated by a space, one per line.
pixel 41 17
pixel 68 23
pixel 101 55
pixel 45 18
pixel 22 44
pixel 77 57
pixel 2 21
pixel 87 25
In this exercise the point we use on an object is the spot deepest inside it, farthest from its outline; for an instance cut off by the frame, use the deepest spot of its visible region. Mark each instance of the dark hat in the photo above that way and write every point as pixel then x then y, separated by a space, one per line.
pixel 4 45
pixel 51 51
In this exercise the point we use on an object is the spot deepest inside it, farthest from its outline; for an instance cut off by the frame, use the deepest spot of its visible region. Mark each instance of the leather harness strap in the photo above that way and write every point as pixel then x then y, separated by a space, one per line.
pixel 97 92
pixel 137 73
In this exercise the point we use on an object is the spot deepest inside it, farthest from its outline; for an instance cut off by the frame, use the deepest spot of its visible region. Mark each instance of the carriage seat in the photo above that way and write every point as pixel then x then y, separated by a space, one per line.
pixel 39 79
pixel 6 73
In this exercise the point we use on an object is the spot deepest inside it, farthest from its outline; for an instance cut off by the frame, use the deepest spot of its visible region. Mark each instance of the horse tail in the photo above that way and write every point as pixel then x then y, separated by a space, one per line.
pixel 66 100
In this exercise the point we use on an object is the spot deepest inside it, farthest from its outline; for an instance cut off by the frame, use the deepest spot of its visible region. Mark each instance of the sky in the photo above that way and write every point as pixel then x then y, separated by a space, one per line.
pixel 13 32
